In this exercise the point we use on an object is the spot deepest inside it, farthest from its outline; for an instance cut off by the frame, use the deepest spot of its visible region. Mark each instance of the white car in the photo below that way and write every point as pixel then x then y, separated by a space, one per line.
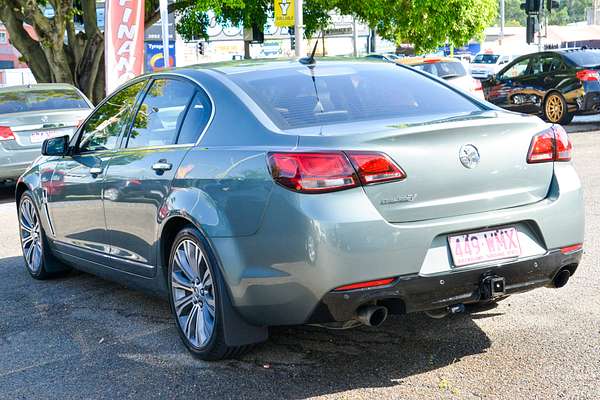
pixel 450 69
pixel 486 64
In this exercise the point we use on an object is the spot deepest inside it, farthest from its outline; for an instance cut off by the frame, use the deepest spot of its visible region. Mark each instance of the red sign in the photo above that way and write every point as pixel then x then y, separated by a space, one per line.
pixel 123 41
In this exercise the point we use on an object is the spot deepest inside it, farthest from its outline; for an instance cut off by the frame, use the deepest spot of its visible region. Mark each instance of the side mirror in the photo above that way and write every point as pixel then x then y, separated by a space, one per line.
pixel 56 146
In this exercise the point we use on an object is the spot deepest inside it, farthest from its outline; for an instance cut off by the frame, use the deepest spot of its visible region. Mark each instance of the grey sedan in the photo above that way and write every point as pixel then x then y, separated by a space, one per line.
pixel 280 193
pixel 29 115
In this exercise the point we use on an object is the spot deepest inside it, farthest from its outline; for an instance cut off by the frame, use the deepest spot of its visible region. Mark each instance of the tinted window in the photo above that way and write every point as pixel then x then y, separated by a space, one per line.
pixel 516 70
pixel 543 65
pixel 584 58
pixel 444 69
pixel 485 59
pixel 161 113
pixel 106 124
pixel 195 120
pixel 37 100
pixel 294 98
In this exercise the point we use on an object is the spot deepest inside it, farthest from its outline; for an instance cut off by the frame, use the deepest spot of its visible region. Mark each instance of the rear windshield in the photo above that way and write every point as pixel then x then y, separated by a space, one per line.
pixel 445 70
pixel 485 59
pixel 39 100
pixel 300 97
pixel 587 58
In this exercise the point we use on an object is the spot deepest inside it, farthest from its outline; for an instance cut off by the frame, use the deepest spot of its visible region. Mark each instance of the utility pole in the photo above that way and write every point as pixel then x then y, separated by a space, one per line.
pixel 299 29
pixel 164 22
pixel 354 38
pixel 501 22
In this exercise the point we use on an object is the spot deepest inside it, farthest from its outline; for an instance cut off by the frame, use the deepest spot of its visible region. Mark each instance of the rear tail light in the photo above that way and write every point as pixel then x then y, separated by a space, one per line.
pixel 587 75
pixel 364 285
pixel 373 167
pixel 553 144
pixel 320 172
pixel 313 172
pixel 6 133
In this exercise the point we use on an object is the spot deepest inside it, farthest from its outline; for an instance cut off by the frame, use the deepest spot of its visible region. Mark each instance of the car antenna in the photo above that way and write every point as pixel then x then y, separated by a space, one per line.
pixel 311 59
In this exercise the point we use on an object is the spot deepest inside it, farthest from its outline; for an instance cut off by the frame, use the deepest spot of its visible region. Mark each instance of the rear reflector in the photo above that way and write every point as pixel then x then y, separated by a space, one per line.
pixel 553 144
pixel 6 133
pixel 588 75
pixel 329 171
pixel 312 172
pixel 364 285
pixel 373 167
pixel 571 249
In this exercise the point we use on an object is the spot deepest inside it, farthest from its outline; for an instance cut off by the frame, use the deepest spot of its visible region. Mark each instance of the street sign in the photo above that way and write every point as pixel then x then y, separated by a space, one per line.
pixel 284 13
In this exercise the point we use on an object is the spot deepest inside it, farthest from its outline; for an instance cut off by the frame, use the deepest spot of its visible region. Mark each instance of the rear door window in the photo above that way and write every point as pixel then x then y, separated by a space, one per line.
pixel 161 113
pixel 195 121
pixel 27 100
pixel 105 126
pixel 545 64
pixel 300 97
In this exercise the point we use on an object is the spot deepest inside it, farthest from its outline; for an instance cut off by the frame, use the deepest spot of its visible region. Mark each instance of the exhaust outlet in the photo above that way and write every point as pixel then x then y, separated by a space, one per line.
pixel 561 278
pixel 371 315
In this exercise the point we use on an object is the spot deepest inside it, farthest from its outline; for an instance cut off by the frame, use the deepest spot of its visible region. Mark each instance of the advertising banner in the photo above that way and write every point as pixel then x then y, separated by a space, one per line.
pixel 123 41
pixel 155 59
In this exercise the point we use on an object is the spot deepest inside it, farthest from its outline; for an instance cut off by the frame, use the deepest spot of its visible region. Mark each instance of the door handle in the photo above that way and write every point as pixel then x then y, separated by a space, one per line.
pixel 162 166
pixel 95 170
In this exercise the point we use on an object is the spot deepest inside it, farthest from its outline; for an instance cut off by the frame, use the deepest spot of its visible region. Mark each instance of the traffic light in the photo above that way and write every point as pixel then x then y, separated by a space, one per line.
pixel 531 6
pixel 292 33
pixel 532 28
pixel 552 4
pixel 200 48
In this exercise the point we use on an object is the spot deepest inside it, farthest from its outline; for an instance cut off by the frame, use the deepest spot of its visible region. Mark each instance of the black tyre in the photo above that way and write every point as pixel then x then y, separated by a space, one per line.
pixel 555 109
pixel 195 296
pixel 39 261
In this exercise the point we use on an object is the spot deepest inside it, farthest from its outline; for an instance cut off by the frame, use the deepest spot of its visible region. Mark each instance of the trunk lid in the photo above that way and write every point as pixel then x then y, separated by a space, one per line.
pixel 31 128
pixel 438 185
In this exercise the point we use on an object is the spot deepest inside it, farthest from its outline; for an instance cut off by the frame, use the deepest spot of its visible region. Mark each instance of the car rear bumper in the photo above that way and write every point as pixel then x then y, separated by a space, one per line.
pixel 309 245
pixel 413 293
pixel 14 162
pixel 589 103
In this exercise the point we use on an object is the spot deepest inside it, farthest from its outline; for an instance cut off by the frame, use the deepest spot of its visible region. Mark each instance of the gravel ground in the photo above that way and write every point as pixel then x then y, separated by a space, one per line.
pixel 83 337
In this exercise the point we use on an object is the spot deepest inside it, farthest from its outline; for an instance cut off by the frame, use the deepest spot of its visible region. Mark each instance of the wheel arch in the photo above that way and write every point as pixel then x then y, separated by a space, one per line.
pixel 237 331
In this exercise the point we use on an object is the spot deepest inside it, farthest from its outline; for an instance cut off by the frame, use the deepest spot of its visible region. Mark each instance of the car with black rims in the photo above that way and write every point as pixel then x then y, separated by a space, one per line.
pixel 556 85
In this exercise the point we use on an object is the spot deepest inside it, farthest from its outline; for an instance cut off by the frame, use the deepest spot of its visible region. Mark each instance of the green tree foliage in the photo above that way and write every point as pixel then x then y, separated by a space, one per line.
pixel 426 24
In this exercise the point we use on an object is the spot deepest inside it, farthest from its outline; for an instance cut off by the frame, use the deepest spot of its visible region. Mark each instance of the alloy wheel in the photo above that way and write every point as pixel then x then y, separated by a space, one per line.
pixel 31 235
pixel 193 293
pixel 554 108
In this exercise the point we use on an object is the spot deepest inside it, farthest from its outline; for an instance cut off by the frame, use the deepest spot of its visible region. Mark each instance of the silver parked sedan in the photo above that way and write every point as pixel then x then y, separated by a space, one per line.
pixel 280 193
pixel 29 115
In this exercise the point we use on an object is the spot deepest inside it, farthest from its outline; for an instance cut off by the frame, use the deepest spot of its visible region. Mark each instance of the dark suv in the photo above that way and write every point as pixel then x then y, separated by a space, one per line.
pixel 557 84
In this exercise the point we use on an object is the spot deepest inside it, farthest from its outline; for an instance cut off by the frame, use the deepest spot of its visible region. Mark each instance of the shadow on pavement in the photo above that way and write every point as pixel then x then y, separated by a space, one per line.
pixel 7 194
pixel 118 342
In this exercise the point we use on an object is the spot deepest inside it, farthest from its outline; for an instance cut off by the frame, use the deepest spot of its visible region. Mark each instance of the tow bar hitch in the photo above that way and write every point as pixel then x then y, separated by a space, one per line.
pixel 492 287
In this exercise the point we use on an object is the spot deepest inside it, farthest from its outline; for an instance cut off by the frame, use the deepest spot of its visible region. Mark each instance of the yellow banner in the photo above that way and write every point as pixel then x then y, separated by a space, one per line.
pixel 284 13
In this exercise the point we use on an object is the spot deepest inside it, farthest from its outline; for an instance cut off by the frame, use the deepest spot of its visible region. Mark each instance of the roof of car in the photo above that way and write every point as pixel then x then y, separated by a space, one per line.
pixel 424 60
pixel 235 67
pixel 37 86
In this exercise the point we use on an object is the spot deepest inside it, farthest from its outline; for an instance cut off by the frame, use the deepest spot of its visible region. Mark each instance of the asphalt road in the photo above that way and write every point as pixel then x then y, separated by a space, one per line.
pixel 83 337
